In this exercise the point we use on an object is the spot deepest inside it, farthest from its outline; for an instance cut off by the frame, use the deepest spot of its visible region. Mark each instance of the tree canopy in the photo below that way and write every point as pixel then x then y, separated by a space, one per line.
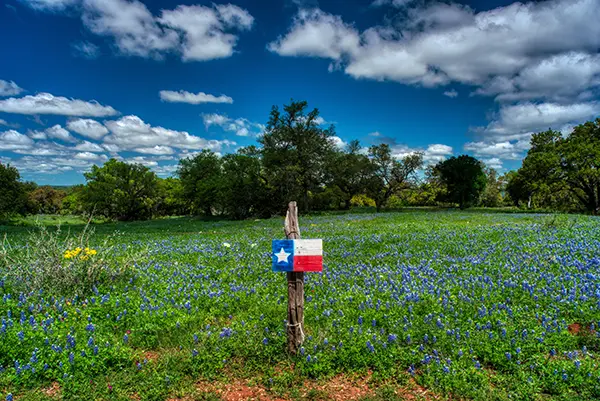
pixel 465 179
pixel 120 190
pixel 13 196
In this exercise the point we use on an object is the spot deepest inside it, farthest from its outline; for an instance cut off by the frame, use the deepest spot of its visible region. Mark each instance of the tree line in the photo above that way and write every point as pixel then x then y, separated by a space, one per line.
pixel 298 159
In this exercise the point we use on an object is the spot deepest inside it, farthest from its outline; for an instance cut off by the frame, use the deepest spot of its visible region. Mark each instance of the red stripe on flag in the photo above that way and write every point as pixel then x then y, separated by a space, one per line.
pixel 308 263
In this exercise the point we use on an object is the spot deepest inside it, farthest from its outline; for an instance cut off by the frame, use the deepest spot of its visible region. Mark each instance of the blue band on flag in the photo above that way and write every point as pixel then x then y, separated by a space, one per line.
pixel 283 255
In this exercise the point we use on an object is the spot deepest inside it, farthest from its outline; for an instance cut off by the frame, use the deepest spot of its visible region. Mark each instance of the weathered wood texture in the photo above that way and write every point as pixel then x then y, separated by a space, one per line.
pixel 295 315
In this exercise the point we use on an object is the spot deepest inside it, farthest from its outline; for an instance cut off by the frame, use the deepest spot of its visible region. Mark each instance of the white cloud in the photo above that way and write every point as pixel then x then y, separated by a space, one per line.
pixel 494 163
pixel 241 126
pixel 451 93
pixel 91 157
pixel 44 149
pixel 88 128
pixel 131 132
pixel 50 5
pixel 433 154
pixel 52 165
pixel 319 34
pixel 13 140
pixel 375 134
pixel 45 103
pixel 519 121
pixel 86 146
pixel 193 98
pixel 204 29
pixel 9 88
pixel 155 150
pixel 56 132
pixel 436 153
pixel 197 33
pixel 86 50
pixel 59 132
pixel 562 77
pixel 441 43
pixel 338 142
pixel 165 170
pixel 506 150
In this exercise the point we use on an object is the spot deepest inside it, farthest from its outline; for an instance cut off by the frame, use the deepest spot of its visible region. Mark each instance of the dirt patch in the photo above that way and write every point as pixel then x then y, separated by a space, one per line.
pixel 53 391
pixel 341 387
pixel 150 356
pixel 578 329
pixel 237 390
pixel 574 328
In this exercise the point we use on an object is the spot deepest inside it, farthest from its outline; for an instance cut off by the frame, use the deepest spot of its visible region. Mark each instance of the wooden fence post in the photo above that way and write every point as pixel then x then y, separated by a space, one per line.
pixel 295 315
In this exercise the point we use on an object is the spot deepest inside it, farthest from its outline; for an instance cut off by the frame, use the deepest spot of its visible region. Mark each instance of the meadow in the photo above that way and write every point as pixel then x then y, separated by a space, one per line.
pixel 422 304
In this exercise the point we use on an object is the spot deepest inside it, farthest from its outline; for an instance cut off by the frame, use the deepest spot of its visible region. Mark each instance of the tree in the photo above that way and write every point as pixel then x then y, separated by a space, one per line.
pixel 563 172
pixel 201 177
pixel 295 149
pixel 120 190
pixel 13 197
pixel 388 175
pixel 492 195
pixel 579 155
pixel 170 199
pixel 464 179
pixel 46 199
pixel 243 187
pixel 348 171
pixel 73 203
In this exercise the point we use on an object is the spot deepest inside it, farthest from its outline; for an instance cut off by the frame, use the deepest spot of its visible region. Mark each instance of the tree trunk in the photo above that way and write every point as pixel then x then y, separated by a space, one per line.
pixel 295 315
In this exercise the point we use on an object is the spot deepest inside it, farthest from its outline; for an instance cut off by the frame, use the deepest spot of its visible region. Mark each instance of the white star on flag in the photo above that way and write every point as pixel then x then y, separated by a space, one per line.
pixel 282 256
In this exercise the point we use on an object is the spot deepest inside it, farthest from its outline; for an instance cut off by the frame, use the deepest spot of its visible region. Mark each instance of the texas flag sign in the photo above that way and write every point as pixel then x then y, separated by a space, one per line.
pixel 298 255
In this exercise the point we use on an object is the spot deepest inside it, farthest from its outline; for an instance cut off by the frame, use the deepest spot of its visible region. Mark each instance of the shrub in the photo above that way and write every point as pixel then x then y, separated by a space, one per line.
pixel 362 201
pixel 59 265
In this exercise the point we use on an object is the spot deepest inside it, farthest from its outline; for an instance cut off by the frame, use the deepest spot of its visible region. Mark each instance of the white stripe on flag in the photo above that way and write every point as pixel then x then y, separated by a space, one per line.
pixel 308 247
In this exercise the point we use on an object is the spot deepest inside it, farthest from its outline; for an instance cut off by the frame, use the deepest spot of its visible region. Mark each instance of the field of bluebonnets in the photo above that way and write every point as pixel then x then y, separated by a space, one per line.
pixel 466 305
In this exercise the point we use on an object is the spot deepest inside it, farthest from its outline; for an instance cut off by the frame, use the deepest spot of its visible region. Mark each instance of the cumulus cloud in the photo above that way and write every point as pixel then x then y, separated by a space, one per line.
pixel 519 121
pixel 46 103
pixel 156 150
pixel 319 34
pixel 86 146
pixel 441 43
pixel 241 126
pixel 493 162
pixel 195 32
pixel 9 88
pixel 432 154
pixel 88 128
pixel 58 132
pixel 52 165
pixel 91 157
pixel 131 132
pixel 562 77
pixel 339 142
pixel 13 140
pixel 193 98
pixel 506 150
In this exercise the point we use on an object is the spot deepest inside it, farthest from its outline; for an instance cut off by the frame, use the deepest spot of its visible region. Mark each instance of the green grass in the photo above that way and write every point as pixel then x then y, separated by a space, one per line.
pixel 466 305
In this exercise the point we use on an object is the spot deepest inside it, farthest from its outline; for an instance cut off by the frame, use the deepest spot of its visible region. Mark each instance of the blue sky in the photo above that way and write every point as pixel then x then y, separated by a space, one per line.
pixel 82 81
